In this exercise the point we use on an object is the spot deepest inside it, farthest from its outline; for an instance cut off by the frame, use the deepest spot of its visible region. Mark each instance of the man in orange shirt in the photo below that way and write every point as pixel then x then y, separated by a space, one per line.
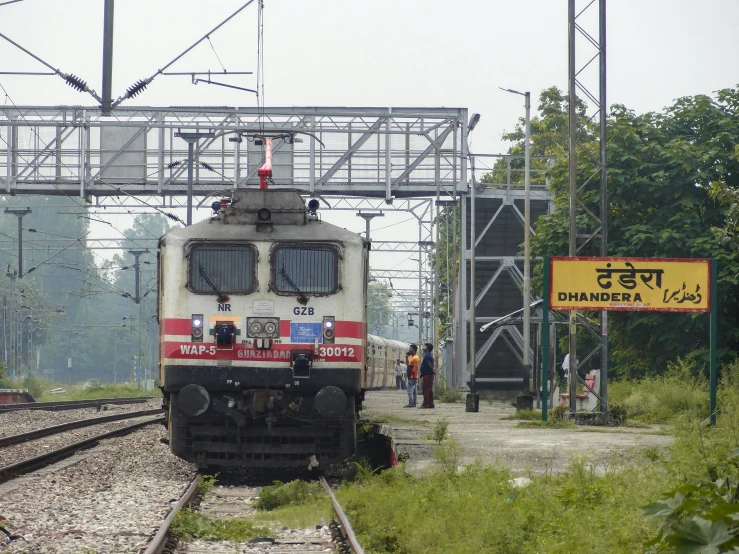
pixel 414 362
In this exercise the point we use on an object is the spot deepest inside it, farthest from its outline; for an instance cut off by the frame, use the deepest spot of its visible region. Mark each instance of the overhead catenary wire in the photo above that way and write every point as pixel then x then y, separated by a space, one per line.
pixel 137 87
pixel 71 79
pixel 260 65
pixel 73 199
pixel 217 56
pixel 46 146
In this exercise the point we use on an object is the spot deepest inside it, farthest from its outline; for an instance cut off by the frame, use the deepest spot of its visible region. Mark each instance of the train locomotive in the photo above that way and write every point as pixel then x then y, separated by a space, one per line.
pixel 263 335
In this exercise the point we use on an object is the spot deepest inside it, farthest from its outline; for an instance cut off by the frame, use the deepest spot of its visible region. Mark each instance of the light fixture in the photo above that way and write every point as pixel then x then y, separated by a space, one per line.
pixel 197 328
pixel 328 329
pixel 474 120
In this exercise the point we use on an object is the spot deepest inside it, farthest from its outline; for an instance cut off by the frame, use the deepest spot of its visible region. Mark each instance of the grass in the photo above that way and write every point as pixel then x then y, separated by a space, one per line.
pixel 77 392
pixel 550 424
pixel 440 432
pixel 534 415
pixel 395 419
pixel 281 494
pixel 478 509
pixel 190 525
pixel 676 395
pixel 448 396
pixel 92 390
pixel 594 429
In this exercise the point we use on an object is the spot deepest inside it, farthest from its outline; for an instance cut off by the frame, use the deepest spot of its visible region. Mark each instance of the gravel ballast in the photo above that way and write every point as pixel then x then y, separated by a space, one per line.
pixel 19 452
pixel 24 421
pixel 110 501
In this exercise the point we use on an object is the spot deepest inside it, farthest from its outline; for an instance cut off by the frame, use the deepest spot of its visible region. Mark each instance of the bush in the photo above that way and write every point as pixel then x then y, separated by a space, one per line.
pixel 441 430
pixel 677 394
pixel 4 382
pixel 34 386
pixel 558 413
pixel 448 396
pixel 618 413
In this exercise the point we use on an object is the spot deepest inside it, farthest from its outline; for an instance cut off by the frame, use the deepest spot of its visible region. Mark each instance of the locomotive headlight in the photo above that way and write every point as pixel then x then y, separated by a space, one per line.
pixel 197 328
pixel 270 327
pixel 329 333
pixel 255 328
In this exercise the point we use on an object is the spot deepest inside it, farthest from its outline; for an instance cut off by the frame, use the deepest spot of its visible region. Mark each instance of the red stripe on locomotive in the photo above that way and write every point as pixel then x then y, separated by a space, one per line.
pixel 173 326
pixel 284 327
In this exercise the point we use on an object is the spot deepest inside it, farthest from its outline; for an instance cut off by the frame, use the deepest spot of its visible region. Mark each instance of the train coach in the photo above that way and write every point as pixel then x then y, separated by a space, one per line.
pixel 382 358
pixel 263 334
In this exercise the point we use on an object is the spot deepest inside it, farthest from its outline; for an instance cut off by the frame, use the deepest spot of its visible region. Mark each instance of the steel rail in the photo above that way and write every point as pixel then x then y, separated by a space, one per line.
pixel 73 404
pixel 13 470
pixel 77 424
pixel 343 520
pixel 159 541
pixel 161 538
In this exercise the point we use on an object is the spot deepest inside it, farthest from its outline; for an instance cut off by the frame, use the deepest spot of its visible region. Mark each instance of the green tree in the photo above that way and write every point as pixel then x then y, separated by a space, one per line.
pixel 661 167
pixel 549 138
pixel 729 197
pixel 446 254
pixel 379 310
pixel 142 235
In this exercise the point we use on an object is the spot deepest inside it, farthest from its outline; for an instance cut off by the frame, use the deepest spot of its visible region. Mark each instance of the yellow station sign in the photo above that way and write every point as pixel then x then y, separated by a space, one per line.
pixel 630 284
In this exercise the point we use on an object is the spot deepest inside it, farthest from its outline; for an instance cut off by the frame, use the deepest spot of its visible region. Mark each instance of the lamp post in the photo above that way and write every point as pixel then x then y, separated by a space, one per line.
pixel 368 216
pixel 191 138
pixel 19 213
pixel 473 399
pixel 527 244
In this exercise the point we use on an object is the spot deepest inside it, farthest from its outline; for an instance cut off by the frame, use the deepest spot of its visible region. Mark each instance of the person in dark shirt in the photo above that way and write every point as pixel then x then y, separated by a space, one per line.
pixel 427 375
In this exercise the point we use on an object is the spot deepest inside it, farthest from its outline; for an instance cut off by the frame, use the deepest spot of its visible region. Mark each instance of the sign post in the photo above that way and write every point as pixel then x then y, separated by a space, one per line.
pixel 714 332
pixel 545 343
pixel 633 284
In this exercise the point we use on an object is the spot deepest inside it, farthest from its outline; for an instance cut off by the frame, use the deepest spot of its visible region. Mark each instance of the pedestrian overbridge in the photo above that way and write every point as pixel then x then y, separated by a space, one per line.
pixel 362 151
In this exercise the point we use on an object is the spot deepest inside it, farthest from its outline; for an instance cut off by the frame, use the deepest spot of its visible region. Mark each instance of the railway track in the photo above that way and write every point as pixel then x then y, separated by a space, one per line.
pixel 342 535
pixel 73 404
pixel 27 465
pixel 78 424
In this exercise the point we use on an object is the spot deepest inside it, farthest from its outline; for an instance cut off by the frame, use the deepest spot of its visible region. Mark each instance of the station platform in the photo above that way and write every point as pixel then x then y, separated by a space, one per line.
pixel 487 437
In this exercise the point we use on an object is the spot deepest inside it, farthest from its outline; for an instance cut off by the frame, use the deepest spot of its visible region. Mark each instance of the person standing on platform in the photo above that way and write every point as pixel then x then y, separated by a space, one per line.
pixel 564 375
pixel 413 364
pixel 427 376
pixel 399 375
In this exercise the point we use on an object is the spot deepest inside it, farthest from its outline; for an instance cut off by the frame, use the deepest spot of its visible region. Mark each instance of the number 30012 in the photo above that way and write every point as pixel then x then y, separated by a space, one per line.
pixel 335 351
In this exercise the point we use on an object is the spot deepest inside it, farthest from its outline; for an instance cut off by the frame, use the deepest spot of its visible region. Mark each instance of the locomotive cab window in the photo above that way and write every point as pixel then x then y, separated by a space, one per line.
pixel 305 269
pixel 222 268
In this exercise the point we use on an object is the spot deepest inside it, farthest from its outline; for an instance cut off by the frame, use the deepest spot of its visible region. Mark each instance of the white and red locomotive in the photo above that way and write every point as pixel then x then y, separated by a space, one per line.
pixel 263 334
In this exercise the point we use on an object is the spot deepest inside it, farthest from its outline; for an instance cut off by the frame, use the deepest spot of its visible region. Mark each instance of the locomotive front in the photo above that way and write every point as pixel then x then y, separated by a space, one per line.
pixel 262 313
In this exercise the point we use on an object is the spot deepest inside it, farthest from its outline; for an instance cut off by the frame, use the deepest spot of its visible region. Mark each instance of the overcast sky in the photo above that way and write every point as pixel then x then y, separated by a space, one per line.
pixel 375 53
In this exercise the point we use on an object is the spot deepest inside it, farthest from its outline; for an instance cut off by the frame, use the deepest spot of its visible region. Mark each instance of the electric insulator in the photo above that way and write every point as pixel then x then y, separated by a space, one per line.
pixel 76 83
pixel 135 89
pixel 173 164
pixel 207 166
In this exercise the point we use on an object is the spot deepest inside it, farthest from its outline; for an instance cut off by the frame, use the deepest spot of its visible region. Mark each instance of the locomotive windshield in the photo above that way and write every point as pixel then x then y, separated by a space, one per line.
pixel 305 269
pixel 222 268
